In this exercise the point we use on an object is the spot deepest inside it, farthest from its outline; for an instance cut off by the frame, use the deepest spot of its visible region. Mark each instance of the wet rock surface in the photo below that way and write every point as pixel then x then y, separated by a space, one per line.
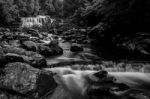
pixel 30 46
pixel 22 55
pixel 26 81
pixel 11 57
pixel 45 50
pixel 76 48
pixel 30 42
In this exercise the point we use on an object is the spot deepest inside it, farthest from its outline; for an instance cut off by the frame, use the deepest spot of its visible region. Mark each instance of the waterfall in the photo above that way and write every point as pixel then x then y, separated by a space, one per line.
pixel 38 21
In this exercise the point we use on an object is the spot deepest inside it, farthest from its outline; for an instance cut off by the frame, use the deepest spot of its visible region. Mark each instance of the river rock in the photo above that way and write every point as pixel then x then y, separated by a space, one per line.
pixel 22 79
pixel 57 50
pixel 35 59
pixel 11 57
pixel 76 48
pixel 15 43
pixel 45 50
pixel 4 29
pixel 22 37
pixel 33 32
pixel 29 57
pixel 7 36
pixel 30 46
pixel 54 45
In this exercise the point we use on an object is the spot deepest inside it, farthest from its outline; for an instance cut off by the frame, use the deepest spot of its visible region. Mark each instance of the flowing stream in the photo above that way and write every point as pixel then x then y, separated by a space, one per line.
pixel 68 56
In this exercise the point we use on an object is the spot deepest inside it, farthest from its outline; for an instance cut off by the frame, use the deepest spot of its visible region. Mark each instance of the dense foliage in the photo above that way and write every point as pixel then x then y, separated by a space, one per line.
pixel 117 24
pixel 12 10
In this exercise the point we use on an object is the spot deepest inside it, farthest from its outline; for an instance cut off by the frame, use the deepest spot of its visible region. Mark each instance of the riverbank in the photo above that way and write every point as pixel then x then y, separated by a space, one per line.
pixel 23 56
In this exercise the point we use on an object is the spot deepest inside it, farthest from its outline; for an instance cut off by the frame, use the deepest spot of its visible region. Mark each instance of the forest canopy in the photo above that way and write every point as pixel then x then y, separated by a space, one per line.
pixel 12 10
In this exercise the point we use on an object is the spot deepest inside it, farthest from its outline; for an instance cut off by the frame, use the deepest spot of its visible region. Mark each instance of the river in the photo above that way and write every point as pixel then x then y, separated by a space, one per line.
pixel 68 56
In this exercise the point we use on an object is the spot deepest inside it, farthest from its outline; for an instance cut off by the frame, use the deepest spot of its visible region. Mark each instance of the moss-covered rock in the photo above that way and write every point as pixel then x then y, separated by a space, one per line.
pixel 23 80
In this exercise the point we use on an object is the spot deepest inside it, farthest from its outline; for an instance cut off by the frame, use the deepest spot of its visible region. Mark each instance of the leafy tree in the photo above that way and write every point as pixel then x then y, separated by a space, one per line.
pixel 8 12
pixel 12 10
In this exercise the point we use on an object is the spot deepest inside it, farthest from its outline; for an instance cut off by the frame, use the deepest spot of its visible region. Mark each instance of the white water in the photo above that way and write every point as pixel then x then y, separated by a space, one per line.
pixel 86 55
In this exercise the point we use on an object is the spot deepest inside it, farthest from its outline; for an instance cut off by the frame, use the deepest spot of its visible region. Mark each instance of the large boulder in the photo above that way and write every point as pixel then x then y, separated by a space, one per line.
pixel 30 46
pixel 76 48
pixel 54 45
pixel 15 43
pixel 29 57
pixel 57 50
pixel 11 57
pixel 45 51
pixel 35 59
pixel 54 42
pixel 16 50
pixel 26 81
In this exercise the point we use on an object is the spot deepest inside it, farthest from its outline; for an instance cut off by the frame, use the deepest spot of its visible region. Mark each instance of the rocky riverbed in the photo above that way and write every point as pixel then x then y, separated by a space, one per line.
pixel 23 54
